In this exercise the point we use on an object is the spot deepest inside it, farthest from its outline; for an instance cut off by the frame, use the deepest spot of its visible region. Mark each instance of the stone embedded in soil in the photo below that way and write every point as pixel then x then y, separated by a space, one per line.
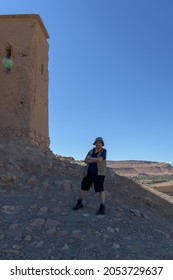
pixel 62 233
pixel 37 223
pixel 52 223
pixel 85 215
pixel 11 251
pixel 8 209
pixel 51 232
pixel 13 226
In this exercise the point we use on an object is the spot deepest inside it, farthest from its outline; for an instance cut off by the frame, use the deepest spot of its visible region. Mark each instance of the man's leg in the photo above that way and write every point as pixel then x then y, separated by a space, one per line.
pixel 99 187
pixel 101 210
pixel 102 197
pixel 85 186
pixel 83 194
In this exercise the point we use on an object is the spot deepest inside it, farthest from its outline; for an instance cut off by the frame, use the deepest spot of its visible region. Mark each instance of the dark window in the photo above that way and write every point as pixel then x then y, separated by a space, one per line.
pixel 8 51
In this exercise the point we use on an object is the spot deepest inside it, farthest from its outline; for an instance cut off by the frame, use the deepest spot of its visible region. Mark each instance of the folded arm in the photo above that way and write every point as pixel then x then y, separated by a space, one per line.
pixel 90 159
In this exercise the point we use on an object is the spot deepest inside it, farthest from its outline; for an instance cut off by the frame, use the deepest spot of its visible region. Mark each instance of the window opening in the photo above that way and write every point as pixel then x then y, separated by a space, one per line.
pixel 7 61
pixel 8 51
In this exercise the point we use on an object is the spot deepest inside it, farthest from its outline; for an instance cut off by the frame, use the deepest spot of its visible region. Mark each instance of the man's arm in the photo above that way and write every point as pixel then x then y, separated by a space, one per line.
pixel 90 159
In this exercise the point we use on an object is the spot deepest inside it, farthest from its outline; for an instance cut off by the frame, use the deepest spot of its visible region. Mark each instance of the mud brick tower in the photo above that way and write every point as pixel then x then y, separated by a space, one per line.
pixel 24 87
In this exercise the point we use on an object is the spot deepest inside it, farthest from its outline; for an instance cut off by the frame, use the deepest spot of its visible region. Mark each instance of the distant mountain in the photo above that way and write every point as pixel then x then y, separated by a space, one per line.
pixel 132 168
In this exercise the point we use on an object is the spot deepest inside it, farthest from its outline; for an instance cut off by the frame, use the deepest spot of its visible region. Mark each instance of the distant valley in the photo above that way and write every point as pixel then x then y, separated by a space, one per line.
pixel 156 175
pixel 132 168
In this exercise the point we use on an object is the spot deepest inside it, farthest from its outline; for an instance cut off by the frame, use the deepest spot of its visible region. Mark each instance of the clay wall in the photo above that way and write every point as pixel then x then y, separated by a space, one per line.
pixel 24 89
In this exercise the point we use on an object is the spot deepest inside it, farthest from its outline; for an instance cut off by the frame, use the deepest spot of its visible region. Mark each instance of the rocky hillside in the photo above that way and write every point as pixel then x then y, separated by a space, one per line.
pixel 135 167
pixel 37 193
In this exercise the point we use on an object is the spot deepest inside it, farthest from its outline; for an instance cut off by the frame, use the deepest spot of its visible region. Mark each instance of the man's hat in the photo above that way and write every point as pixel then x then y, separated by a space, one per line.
pixel 99 139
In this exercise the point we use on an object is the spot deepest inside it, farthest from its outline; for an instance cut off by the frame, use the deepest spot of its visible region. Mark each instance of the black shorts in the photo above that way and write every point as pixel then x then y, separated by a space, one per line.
pixel 96 180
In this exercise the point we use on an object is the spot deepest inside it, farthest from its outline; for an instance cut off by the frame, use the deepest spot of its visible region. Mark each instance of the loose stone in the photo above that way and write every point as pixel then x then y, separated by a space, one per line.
pixel 39 244
pixel 66 247
pixel 110 229
pixel 43 209
pixel 17 247
pixel 76 232
pixel 117 229
pixel 136 212
pixel 116 246
pixel 28 238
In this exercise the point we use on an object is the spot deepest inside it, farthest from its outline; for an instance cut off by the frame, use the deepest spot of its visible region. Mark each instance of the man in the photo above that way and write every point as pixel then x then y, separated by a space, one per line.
pixel 96 171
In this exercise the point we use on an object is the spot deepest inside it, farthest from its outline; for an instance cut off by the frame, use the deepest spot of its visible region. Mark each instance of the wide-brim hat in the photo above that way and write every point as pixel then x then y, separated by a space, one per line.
pixel 99 139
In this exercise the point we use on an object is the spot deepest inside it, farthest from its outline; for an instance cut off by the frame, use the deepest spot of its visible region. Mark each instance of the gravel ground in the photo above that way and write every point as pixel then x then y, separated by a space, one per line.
pixel 37 193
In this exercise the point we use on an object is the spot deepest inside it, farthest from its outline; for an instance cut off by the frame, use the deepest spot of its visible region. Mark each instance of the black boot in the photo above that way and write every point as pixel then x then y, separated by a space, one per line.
pixel 101 209
pixel 78 205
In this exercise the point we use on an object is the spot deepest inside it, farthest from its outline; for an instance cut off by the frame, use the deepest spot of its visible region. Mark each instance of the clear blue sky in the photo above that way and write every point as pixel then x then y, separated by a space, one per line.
pixel 110 75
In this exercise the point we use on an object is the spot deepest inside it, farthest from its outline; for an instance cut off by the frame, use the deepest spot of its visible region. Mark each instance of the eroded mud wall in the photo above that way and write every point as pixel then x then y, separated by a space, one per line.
pixel 24 88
